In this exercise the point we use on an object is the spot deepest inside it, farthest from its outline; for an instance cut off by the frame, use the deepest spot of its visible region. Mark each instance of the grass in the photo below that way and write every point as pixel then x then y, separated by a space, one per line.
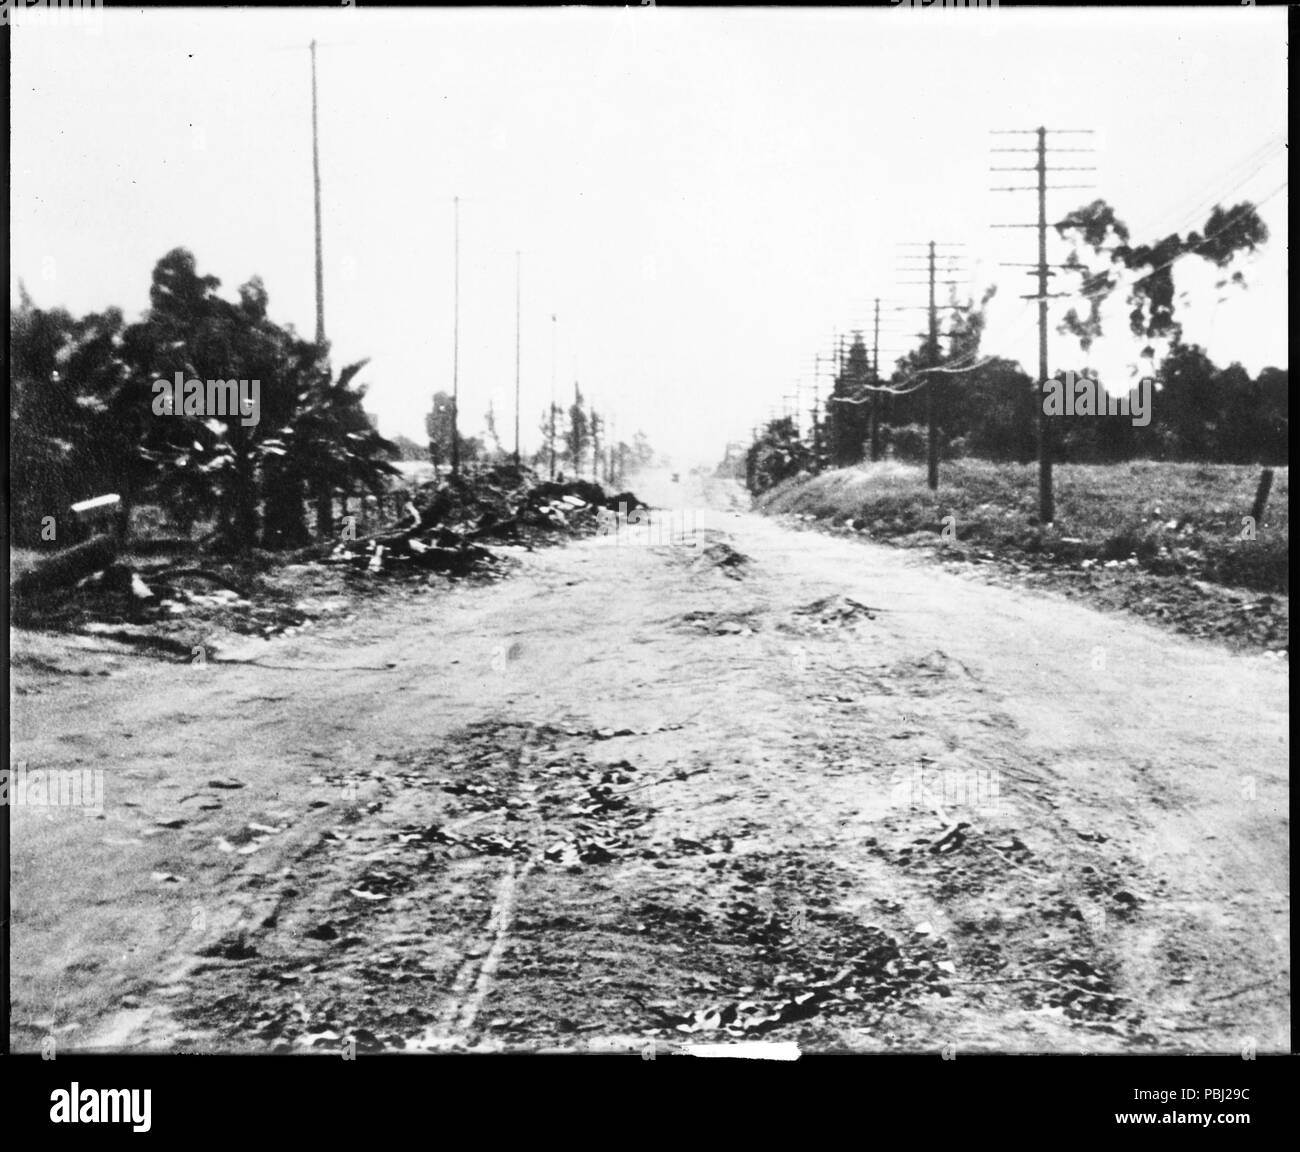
pixel 1174 519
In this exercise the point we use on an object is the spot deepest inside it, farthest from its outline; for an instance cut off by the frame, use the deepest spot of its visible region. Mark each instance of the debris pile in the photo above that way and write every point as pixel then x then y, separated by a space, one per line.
pixel 449 521
pixel 739 622
pixel 725 559
pixel 828 614
pixel 177 598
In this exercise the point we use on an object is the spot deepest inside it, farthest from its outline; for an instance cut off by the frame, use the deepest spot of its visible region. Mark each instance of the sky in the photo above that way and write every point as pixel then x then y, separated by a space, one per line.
pixel 702 199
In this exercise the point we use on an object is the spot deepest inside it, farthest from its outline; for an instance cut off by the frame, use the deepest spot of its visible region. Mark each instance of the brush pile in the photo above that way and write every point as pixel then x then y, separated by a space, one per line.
pixel 450 523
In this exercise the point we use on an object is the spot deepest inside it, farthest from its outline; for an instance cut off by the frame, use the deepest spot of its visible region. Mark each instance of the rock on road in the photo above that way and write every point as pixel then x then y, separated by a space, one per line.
pixel 817 791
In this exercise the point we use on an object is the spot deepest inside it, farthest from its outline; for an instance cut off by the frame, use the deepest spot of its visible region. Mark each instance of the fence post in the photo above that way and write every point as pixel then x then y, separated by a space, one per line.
pixel 1261 496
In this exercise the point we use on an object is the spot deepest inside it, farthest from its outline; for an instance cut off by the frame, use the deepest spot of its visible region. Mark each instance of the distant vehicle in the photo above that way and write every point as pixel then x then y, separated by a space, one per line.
pixel 677 478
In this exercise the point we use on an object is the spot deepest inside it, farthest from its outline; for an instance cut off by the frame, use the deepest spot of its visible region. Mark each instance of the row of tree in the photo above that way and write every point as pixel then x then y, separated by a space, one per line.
pixel 574 440
pixel 83 419
pixel 989 407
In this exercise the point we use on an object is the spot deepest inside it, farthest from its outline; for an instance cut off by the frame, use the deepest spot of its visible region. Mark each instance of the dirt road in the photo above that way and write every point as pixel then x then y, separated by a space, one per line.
pixel 762 784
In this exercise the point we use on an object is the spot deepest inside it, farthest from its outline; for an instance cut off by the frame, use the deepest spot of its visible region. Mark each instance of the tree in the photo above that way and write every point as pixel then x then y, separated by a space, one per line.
pixel 546 455
pixel 86 421
pixel 438 426
pixel 596 424
pixel 333 446
pixel 578 434
pixel 848 412
pixel 643 456
pixel 1188 403
pixel 46 422
pixel 1098 233
pixel 776 455
pixel 490 420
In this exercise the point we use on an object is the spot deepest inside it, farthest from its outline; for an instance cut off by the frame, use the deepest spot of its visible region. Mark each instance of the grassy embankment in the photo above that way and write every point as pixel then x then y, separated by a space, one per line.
pixel 1160 539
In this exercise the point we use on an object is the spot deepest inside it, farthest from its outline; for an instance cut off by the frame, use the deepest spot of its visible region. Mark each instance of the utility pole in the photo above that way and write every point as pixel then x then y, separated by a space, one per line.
pixel 551 438
pixel 929 387
pixel 932 361
pixel 1046 498
pixel 517 315
pixel 816 416
pixel 315 169
pixel 876 398
pixel 455 354
pixel 817 427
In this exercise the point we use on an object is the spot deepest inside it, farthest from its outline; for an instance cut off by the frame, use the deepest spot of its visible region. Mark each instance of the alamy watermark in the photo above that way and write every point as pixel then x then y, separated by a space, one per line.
pixel 1079 394
pixel 644 527
pixel 976 788
pixel 87 14
pixel 78 788
pixel 943 3
pixel 181 397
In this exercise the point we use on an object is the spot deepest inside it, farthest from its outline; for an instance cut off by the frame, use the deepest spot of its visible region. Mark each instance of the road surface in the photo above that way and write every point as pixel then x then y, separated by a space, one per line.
pixel 749 784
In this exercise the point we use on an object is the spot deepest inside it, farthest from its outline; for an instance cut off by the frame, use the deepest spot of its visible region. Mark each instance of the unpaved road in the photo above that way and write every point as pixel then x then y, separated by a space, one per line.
pixel 642 795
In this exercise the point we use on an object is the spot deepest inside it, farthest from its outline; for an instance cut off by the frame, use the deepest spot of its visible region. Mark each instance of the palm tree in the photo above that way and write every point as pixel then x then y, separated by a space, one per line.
pixel 332 446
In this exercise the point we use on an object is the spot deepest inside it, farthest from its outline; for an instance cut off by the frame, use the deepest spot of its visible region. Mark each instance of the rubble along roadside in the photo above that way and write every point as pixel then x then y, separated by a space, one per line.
pixel 174 599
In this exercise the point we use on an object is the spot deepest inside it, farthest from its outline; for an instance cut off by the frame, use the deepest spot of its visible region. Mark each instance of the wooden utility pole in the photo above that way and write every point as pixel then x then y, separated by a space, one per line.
pixel 551 437
pixel 455 352
pixel 932 361
pixel 816 415
pixel 1046 497
pixel 876 398
pixel 517 314
pixel 316 182
pixel 933 455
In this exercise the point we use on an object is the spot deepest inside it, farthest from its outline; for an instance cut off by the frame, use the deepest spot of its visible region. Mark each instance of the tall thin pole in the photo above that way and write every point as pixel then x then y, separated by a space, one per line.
pixel 1046 502
pixel 315 169
pixel 455 354
pixel 876 398
pixel 551 438
pixel 816 416
pixel 930 384
pixel 517 314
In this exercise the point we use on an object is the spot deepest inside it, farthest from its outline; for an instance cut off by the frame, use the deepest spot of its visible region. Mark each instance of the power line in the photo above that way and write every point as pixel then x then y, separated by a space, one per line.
pixel 1191 209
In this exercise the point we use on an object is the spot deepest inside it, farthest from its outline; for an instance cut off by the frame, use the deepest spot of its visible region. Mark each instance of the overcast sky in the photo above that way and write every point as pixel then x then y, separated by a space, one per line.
pixel 701 197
